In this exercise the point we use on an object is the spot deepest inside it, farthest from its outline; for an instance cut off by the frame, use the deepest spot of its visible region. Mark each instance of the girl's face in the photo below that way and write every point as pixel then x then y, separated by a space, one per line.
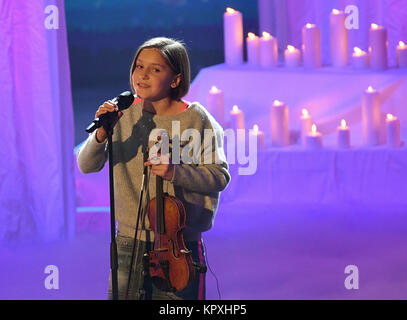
pixel 153 78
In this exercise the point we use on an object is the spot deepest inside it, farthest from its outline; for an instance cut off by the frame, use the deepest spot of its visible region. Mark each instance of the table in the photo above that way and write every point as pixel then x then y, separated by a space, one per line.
pixel 329 94
pixel 359 175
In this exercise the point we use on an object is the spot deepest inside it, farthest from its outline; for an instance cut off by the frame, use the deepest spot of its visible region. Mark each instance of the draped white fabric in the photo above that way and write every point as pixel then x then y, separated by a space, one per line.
pixel 293 175
pixel 285 19
pixel 37 194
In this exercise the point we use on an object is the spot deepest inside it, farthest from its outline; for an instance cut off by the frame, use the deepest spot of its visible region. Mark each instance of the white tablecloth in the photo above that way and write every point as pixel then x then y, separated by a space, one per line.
pixel 329 94
pixel 359 175
pixel 294 176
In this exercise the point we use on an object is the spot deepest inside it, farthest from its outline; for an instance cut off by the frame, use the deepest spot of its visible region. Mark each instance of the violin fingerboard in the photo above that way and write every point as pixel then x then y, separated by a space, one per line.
pixel 160 206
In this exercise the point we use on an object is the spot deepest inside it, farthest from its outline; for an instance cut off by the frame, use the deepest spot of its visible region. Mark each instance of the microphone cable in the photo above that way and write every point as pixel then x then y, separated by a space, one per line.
pixel 210 269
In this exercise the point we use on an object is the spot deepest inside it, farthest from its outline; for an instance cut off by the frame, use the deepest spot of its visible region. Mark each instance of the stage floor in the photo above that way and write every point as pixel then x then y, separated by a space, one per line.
pixel 262 252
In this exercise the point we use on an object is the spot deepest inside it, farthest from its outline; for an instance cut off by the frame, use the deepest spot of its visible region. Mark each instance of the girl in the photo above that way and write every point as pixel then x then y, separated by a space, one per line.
pixel 160 77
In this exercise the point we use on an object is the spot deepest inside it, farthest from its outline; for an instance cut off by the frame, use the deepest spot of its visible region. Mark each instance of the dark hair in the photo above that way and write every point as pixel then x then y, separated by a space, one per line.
pixel 176 56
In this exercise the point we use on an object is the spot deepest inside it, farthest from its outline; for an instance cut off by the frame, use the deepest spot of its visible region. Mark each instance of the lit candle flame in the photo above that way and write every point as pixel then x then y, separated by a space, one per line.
pixel 335 11
pixel 277 103
pixel 314 128
pixel 214 90
pixel 402 44
pixel 309 25
pixel 230 10
pixel 290 48
pixel 305 112
pixel 266 35
pixel 251 35
pixel 357 51
pixel 256 128
pixel 370 89
pixel 343 123
pixel 374 26
pixel 389 116
pixel 235 109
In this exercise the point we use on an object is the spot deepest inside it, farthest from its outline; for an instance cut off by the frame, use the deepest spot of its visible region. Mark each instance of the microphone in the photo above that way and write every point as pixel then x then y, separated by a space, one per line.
pixel 123 101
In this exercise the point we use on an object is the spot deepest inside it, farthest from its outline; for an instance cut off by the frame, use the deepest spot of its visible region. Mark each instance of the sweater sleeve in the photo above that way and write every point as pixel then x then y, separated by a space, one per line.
pixel 92 156
pixel 205 177
pixel 202 178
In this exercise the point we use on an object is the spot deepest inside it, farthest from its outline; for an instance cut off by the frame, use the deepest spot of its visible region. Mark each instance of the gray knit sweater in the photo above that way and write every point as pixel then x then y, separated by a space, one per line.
pixel 198 186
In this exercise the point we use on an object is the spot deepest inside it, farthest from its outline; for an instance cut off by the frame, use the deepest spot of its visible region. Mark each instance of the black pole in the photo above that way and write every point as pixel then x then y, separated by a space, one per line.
pixel 135 254
pixel 107 120
pixel 113 245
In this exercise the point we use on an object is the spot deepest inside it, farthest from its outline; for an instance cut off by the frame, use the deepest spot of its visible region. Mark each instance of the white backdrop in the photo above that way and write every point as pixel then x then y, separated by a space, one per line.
pixel 37 194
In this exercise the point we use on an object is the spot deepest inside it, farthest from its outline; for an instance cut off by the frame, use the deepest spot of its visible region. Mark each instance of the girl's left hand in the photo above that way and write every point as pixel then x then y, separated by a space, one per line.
pixel 164 170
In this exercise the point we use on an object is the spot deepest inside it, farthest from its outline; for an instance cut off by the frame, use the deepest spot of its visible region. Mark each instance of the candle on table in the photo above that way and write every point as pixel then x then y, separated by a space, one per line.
pixel 237 118
pixel 215 104
pixel 311 46
pixel 314 138
pixel 360 59
pixel 280 135
pixel 378 47
pixel 268 50
pixel 393 131
pixel 401 53
pixel 266 9
pixel 343 135
pixel 259 136
pixel 233 37
pixel 339 38
pixel 371 117
pixel 292 56
pixel 253 49
pixel 306 124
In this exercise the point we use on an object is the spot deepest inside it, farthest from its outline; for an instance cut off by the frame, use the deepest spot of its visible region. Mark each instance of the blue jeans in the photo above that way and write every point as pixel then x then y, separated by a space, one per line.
pixel 141 281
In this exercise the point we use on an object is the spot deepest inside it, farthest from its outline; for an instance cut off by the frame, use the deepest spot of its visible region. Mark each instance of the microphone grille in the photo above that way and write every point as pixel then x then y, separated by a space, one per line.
pixel 125 100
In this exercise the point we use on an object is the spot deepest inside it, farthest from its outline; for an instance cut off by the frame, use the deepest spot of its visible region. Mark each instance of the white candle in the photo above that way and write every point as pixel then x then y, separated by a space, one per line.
pixel 253 49
pixel 314 138
pixel 306 125
pixel 237 118
pixel 292 56
pixel 339 38
pixel 280 135
pixel 393 131
pixel 371 117
pixel 311 46
pixel 266 9
pixel 378 47
pixel 343 138
pixel 401 53
pixel 215 104
pixel 268 50
pixel 360 59
pixel 259 136
pixel 233 37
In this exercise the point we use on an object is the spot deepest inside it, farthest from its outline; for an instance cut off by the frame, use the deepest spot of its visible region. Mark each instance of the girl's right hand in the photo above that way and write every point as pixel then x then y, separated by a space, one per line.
pixel 108 106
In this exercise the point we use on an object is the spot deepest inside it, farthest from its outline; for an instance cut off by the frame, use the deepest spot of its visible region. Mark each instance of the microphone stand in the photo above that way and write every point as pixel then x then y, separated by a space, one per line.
pixel 123 101
pixel 113 244
pixel 135 254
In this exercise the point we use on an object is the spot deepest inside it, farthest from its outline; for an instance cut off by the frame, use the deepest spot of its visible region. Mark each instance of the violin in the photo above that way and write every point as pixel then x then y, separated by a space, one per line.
pixel 170 264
